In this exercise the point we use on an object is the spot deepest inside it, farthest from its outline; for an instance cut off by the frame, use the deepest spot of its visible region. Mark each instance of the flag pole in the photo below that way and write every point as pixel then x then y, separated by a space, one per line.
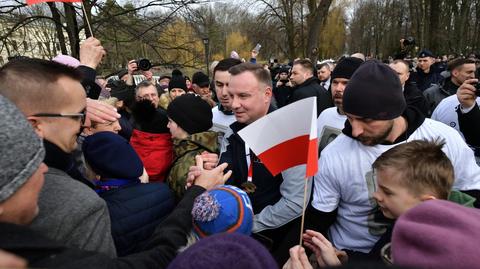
pixel 303 210
pixel 86 18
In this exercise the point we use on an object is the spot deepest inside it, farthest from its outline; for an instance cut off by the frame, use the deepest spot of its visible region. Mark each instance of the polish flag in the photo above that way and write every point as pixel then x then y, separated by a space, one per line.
pixel 286 137
pixel 32 2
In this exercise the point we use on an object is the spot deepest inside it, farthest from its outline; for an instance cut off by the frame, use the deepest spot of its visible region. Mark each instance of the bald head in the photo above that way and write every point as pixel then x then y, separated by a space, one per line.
pixel 401 68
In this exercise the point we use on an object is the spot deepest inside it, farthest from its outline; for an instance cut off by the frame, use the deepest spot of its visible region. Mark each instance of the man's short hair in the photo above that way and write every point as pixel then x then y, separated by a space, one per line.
pixel 327 65
pixel 262 75
pixel 144 84
pixel 306 64
pixel 225 64
pixel 400 61
pixel 423 165
pixel 30 84
pixel 458 62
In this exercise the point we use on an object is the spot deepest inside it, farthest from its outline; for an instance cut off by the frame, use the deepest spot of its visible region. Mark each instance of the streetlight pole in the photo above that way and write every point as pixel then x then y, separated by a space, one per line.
pixel 205 42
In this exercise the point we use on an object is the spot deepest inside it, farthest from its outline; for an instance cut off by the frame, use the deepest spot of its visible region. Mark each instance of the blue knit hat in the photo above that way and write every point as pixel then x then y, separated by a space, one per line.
pixel 111 156
pixel 222 209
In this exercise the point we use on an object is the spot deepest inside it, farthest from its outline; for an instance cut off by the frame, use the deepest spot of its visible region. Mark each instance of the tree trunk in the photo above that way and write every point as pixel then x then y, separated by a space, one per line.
pixel 434 26
pixel 315 21
pixel 72 30
pixel 58 27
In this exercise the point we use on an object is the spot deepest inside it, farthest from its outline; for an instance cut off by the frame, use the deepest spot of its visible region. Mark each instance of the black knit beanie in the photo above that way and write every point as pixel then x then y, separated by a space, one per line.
pixel 191 113
pixel 177 82
pixel 374 91
pixel 346 67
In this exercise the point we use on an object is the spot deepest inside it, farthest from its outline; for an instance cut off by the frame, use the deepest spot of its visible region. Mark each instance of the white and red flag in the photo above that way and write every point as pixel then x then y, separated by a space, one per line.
pixel 32 2
pixel 286 137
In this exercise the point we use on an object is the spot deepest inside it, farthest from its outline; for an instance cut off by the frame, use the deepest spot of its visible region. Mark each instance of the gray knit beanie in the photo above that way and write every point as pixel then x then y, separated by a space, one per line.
pixel 22 150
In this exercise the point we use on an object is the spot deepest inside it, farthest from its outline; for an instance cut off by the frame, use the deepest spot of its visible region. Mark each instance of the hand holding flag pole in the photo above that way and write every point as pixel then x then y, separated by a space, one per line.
pixel 291 140
pixel 32 2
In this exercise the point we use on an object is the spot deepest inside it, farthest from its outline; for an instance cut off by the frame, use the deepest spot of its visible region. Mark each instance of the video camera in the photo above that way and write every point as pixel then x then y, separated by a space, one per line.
pixel 409 41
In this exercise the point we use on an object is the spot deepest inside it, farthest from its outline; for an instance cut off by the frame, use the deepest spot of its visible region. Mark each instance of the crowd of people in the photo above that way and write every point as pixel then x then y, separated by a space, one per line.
pixel 121 173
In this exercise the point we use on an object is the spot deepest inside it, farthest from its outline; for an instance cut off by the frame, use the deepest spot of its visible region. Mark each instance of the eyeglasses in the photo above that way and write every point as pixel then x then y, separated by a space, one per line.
pixel 81 116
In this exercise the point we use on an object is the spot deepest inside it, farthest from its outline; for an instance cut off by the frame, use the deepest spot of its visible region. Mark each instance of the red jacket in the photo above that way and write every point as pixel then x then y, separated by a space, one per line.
pixel 156 152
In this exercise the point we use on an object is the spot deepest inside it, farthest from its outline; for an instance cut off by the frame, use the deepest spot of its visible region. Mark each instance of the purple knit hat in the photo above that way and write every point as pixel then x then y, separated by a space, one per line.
pixel 232 251
pixel 437 234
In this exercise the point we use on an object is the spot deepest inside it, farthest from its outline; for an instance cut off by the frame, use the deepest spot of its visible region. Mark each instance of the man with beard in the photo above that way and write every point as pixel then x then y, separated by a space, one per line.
pixel 378 119
pixel 331 121
pixel 305 85
pixel 324 72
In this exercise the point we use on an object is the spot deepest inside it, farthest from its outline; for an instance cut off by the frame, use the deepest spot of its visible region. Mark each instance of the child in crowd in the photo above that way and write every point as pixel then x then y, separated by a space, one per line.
pixel 190 119
pixel 135 209
pixel 224 209
pixel 406 175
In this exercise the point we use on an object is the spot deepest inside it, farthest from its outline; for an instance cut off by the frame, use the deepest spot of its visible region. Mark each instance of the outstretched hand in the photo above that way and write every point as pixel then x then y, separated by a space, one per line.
pixel 298 259
pixel 325 252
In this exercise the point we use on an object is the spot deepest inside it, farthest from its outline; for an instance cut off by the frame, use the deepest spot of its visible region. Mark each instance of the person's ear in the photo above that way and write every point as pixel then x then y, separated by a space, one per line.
pixel 37 125
pixel 119 104
pixel 427 197
pixel 268 92
pixel 455 73
pixel 88 131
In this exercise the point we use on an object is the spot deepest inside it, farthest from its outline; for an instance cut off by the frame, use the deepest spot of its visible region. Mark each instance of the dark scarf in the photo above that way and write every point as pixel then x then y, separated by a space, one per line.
pixel 57 158
pixel 222 109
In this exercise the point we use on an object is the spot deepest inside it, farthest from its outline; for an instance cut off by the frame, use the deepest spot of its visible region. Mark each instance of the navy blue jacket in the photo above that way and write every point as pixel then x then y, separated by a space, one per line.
pixel 135 211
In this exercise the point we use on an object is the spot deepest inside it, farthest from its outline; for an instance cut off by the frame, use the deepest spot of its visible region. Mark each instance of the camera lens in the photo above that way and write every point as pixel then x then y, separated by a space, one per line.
pixel 144 64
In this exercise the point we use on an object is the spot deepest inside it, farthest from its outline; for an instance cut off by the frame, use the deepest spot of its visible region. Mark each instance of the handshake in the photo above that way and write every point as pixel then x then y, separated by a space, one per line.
pixel 205 173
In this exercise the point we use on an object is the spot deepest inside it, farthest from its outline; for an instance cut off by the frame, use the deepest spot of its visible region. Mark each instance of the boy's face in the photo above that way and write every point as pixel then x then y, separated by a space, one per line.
pixel 393 198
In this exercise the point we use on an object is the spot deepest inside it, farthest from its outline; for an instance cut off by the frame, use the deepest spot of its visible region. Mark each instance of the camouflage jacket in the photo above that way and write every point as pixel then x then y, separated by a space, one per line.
pixel 185 151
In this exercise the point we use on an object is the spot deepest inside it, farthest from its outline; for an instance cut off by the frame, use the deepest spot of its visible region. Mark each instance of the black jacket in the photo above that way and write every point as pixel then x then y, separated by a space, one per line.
pixel 414 97
pixel 310 88
pixel 282 94
pixel 159 251
pixel 89 75
pixel 436 93
pixel 425 80
pixel 470 127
